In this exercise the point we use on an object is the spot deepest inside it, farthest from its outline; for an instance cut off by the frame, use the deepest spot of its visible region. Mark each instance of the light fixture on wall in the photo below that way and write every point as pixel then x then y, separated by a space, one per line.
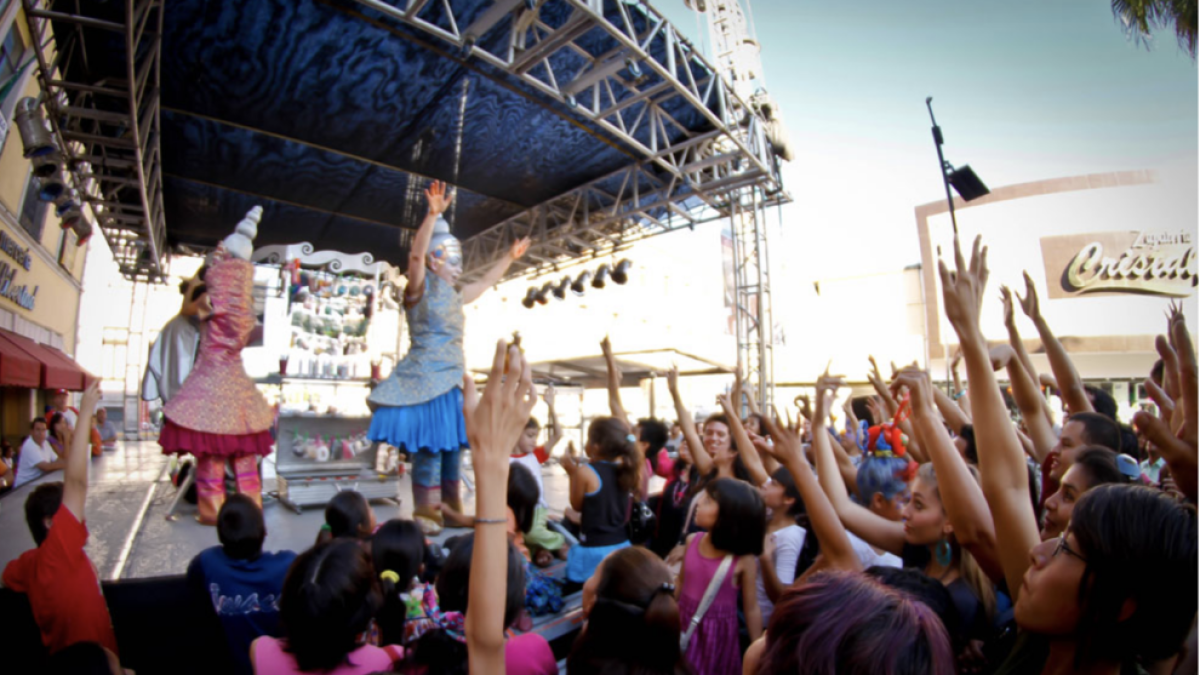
pixel 51 187
pixel 581 283
pixel 530 298
pixel 620 275
pixel 35 134
pixel 601 276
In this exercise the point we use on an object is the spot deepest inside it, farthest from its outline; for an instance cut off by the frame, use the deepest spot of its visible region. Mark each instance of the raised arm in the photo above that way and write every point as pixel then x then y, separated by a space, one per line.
pixel 700 456
pixel 556 433
pixel 823 519
pixel 893 408
pixel 614 383
pixel 1001 461
pixel 1029 400
pixel 745 447
pixel 75 477
pixel 960 494
pixel 875 529
pixel 955 416
pixel 494 423
pixel 495 273
pixel 1070 386
pixel 961 395
pixel 1176 443
pixel 438 201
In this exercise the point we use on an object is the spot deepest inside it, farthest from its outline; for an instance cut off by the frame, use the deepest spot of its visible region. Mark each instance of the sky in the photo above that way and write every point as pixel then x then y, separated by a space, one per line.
pixel 1024 90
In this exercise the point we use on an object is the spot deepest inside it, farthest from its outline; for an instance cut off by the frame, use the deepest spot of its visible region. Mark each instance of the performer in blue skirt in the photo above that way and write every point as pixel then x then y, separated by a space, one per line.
pixel 418 408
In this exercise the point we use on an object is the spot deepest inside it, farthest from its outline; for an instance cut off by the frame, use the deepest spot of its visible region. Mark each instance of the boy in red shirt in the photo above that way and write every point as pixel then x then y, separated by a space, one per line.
pixel 58 577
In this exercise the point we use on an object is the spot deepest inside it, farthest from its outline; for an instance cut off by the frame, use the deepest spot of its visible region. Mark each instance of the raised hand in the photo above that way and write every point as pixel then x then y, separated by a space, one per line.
pixel 1007 301
pixel 1178 444
pixel 519 248
pixel 920 391
pixel 1000 356
pixel 673 379
pixel 496 419
pixel 805 404
pixel 1029 303
pixel 548 396
pixel 962 288
pixel 438 197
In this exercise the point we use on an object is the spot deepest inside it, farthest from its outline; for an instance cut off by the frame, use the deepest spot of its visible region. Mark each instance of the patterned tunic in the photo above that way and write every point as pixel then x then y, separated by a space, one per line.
pixel 218 397
pixel 434 363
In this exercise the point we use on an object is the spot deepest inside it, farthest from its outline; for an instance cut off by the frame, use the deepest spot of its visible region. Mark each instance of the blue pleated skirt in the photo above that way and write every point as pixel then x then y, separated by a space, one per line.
pixel 433 426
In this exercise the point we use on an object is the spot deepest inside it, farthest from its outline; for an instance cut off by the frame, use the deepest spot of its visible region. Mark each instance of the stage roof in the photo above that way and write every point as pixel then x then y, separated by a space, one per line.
pixel 334 114
pixel 590 372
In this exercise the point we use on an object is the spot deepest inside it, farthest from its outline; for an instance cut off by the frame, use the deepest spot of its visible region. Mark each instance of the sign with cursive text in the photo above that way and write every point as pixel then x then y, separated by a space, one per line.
pixel 1146 262
pixel 21 294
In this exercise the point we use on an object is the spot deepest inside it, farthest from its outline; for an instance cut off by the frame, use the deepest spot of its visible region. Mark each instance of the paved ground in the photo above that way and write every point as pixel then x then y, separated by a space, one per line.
pixel 123 480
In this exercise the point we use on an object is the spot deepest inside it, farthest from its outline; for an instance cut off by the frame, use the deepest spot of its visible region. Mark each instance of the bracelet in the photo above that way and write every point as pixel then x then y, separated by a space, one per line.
pixel 491 521
pixel 960 394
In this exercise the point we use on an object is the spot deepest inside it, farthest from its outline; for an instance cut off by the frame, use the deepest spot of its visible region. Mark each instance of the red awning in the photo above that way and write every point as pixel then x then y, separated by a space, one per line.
pixel 18 368
pixel 58 371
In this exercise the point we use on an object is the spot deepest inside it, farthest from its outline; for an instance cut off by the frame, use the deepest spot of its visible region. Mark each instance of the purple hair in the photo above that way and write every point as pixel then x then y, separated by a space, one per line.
pixel 850 624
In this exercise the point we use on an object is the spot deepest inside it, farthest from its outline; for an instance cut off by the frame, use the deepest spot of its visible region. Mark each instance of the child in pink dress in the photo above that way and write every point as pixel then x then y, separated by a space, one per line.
pixel 734 514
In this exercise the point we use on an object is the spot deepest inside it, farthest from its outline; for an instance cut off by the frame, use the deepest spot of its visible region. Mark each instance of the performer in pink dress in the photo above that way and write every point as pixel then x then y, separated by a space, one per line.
pixel 219 415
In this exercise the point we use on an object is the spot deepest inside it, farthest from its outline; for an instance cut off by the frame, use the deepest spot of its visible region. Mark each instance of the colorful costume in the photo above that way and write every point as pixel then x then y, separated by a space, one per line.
pixel 218 414
pixel 418 408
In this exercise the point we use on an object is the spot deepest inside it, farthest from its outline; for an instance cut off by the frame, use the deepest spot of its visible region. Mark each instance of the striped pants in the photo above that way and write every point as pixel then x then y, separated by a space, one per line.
pixel 210 483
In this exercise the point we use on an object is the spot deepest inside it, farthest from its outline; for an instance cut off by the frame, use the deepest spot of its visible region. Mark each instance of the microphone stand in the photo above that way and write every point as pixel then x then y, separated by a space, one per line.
pixel 937 142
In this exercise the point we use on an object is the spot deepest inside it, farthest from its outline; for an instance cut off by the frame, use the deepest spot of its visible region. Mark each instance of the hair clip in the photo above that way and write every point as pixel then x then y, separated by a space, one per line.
pixel 389 575
pixel 667 588
pixel 631 438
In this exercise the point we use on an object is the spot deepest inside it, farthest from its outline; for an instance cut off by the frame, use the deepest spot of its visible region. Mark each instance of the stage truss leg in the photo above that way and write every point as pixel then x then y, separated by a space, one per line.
pixel 755 327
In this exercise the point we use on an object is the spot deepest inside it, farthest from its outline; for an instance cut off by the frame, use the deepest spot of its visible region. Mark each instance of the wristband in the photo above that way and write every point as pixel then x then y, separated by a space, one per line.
pixel 960 394
pixel 491 521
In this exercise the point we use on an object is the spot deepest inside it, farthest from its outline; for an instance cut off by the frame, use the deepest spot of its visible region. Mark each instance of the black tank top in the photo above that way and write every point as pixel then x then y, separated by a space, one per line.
pixel 606 511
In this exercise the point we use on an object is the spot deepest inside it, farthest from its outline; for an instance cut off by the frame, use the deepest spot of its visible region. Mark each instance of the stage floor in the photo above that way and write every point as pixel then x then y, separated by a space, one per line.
pixel 128 496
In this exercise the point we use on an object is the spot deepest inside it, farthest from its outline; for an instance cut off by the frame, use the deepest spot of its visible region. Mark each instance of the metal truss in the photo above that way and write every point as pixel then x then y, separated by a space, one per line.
pixel 108 129
pixel 752 313
pixel 614 92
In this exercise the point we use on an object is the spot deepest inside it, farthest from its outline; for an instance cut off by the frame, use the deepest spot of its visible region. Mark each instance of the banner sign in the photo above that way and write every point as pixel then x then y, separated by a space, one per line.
pixel 1146 262
pixel 9 289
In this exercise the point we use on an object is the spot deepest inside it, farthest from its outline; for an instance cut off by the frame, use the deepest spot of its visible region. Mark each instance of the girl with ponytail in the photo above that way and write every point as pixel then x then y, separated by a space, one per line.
pixel 632 619
pixel 397 551
pixel 601 491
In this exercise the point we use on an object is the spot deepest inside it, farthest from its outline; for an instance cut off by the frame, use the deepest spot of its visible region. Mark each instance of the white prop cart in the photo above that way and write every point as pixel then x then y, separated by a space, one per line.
pixel 324 327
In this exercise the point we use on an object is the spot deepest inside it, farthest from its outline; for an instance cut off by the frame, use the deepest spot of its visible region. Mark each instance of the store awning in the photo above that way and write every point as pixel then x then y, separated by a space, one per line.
pixel 17 368
pixel 57 370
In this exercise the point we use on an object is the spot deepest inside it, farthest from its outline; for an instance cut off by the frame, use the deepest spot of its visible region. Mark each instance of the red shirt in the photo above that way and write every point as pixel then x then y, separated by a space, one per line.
pixel 540 453
pixel 62 587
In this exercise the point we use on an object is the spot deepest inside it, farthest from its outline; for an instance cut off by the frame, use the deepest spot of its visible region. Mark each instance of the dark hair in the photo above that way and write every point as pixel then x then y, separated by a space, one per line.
pixel 436 653
pixel 54 420
pixel 240 527
pixel 522 495
pixel 41 504
pixel 862 410
pixel 81 658
pixel 741 519
pixel 1129 442
pixel 533 424
pixel 739 467
pixel 850 624
pixel 398 546
pixel 1102 402
pixel 1156 372
pixel 36 420
pixel 634 626
pixel 796 510
pixel 654 432
pixel 329 595
pixel 1098 430
pixel 1100 465
pixel 348 515
pixel 971 452
pixel 928 590
pixel 6 448
pixel 610 437
pixel 1118 528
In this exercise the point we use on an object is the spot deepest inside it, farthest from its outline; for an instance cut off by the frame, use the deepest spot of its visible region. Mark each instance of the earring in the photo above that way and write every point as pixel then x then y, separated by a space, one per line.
pixel 943 553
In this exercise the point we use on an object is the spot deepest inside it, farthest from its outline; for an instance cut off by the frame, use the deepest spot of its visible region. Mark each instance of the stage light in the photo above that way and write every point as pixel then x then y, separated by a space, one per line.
pixel 45 165
pixel 966 183
pixel 83 230
pixel 543 296
pixel 560 291
pixel 601 276
pixel 51 187
pixel 35 135
pixel 581 283
pixel 530 298
pixel 621 274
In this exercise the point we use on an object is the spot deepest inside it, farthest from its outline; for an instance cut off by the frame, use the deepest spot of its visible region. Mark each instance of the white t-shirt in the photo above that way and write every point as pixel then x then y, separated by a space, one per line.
pixel 31 455
pixel 869 558
pixel 531 462
pixel 788 543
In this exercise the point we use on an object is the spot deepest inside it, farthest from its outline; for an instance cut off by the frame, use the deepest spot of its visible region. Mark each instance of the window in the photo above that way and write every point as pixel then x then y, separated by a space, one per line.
pixel 33 210
pixel 11 51
pixel 68 247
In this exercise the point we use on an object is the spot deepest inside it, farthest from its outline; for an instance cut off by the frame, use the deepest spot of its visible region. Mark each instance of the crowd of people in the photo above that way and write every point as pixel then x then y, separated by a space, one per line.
pixel 934 532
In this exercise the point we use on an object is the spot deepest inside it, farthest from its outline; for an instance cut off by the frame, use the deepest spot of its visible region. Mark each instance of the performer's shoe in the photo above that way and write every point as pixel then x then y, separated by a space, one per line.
pixel 429 527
